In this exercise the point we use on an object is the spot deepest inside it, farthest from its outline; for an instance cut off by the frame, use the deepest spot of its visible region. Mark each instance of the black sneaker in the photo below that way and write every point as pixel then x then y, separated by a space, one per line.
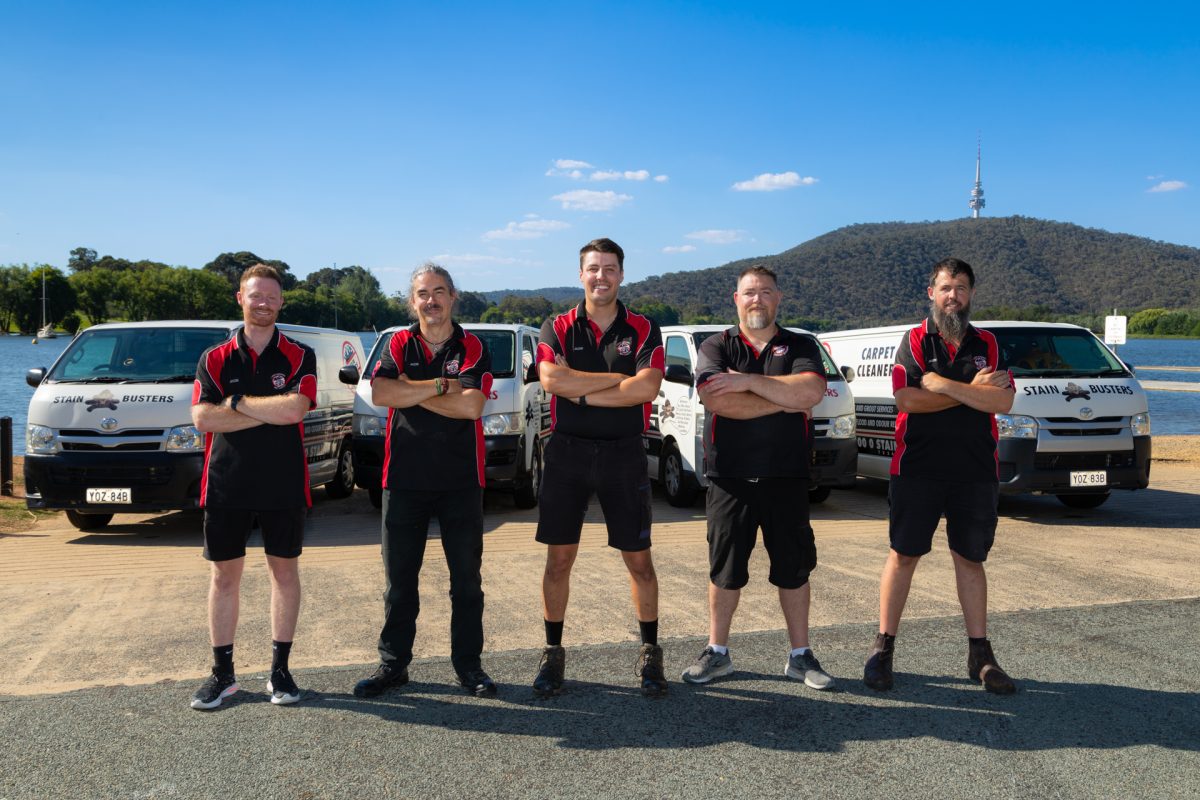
pixel 216 688
pixel 650 670
pixel 383 678
pixel 982 667
pixel 877 674
pixel 477 682
pixel 283 688
pixel 549 680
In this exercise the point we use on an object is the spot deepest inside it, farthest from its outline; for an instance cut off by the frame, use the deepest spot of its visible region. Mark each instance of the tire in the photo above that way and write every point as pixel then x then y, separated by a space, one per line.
pixel 1083 500
pixel 526 496
pixel 88 522
pixel 376 495
pixel 818 494
pixel 680 486
pixel 342 484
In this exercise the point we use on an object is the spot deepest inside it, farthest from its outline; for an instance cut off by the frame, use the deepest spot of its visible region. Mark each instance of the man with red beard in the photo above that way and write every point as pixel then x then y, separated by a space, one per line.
pixel 250 398
pixel 948 389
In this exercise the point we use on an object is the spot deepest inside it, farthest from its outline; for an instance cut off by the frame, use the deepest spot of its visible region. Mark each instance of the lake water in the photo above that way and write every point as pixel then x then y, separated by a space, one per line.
pixel 1170 412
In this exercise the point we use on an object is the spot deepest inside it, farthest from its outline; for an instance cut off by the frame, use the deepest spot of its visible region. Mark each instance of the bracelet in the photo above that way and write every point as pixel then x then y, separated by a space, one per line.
pixel 439 386
pixel 233 402
pixel 583 400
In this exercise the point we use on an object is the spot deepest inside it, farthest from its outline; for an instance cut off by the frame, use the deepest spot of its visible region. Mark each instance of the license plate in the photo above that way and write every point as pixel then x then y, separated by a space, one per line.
pixel 1092 478
pixel 101 496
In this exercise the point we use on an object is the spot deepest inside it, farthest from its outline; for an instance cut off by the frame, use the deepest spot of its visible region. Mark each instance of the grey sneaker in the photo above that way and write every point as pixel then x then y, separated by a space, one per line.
pixel 805 667
pixel 709 665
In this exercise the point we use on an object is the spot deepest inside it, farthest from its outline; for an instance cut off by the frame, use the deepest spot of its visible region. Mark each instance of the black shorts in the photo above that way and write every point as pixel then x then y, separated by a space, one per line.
pixel 613 470
pixel 917 504
pixel 737 508
pixel 226 531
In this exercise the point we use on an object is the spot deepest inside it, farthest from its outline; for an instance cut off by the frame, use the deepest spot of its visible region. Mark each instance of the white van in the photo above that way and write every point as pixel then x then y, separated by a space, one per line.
pixel 511 416
pixel 675 438
pixel 1079 426
pixel 110 425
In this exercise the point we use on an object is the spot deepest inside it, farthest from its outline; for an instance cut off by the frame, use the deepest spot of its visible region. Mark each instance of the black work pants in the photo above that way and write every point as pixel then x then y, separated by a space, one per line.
pixel 406 516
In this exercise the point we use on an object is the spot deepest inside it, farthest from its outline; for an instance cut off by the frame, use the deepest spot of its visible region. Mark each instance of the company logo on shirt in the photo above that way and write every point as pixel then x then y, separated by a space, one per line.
pixel 980 362
pixel 452 367
pixel 625 347
pixel 278 380
pixel 779 350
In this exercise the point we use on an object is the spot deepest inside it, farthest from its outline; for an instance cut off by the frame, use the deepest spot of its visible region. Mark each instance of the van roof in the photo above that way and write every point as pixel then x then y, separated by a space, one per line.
pixel 986 324
pixel 227 324
pixel 716 328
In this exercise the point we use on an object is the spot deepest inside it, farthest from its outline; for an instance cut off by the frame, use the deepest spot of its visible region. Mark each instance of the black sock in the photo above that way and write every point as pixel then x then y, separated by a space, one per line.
pixel 554 633
pixel 279 655
pixel 649 631
pixel 223 659
pixel 977 641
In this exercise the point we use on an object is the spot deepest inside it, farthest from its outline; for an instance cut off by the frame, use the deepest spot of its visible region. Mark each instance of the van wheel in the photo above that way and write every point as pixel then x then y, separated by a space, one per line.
pixel 376 495
pixel 88 522
pixel 818 494
pixel 343 481
pixel 527 496
pixel 1083 500
pixel 680 486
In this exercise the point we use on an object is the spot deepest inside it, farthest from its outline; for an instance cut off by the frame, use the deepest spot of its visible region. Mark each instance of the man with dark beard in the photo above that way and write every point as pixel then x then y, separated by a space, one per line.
pixel 948 390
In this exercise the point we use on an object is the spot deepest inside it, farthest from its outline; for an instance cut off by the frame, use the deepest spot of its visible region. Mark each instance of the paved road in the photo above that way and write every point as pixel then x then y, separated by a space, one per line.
pixel 1095 613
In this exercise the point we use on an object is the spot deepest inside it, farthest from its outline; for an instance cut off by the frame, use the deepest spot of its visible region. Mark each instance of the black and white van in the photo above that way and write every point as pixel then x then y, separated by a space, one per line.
pixel 110 425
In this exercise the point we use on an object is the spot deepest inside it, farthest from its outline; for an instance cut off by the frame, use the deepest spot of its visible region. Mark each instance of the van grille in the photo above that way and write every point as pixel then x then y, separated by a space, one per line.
pixel 110 475
pixel 125 446
pixel 1084 460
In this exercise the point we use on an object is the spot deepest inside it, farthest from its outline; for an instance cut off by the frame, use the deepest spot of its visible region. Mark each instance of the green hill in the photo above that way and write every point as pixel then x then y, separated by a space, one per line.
pixel 875 274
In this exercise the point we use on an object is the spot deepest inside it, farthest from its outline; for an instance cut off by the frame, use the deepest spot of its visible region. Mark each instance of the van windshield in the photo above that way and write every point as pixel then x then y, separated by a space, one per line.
pixel 501 345
pixel 1057 353
pixel 135 355
pixel 831 370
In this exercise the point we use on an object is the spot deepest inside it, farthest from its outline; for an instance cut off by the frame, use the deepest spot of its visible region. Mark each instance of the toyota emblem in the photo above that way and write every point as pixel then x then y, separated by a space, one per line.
pixel 1085 413
pixel 108 424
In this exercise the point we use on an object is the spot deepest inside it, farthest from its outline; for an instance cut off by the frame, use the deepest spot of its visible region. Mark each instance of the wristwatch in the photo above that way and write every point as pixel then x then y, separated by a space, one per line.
pixel 233 402
pixel 583 400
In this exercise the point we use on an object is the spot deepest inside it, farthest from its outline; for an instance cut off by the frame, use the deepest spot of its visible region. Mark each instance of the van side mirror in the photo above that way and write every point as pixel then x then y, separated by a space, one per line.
pixel 848 373
pixel 35 376
pixel 349 374
pixel 678 373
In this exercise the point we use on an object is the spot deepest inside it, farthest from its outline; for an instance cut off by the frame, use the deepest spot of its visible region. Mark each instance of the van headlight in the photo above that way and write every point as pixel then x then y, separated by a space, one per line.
pixel 496 424
pixel 842 427
pixel 1016 426
pixel 41 440
pixel 369 425
pixel 1140 424
pixel 184 439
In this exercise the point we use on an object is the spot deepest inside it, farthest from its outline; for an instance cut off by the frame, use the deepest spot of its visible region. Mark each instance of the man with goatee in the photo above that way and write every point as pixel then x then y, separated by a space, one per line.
pixel 948 389
pixel 759 383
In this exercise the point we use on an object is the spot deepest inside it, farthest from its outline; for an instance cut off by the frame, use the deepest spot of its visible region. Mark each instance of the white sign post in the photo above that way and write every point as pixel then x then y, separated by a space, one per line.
pixel 1114 330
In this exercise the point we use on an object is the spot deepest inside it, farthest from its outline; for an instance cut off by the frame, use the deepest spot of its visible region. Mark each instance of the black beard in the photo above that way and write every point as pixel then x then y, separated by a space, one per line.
pixel 952 325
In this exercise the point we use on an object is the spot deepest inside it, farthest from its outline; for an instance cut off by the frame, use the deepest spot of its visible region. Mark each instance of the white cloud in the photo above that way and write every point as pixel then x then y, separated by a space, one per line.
pixel 573 174
pixel 616 175
pixel 534 227
pixel 661 179
pixel 773 182
pixel 567 163
pixel 713 236
pixel 683 248
pixel 1168 186
pixel 587 200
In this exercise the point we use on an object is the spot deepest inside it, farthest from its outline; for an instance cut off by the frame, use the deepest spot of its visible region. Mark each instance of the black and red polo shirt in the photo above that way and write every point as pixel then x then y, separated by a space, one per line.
pixel 957 443
pixel 777 445
pixel 632 343
pixel 426 450
pixel 263 468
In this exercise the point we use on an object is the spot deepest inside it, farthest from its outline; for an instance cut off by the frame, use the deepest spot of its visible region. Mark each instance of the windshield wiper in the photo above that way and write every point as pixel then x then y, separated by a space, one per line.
pixel 175 379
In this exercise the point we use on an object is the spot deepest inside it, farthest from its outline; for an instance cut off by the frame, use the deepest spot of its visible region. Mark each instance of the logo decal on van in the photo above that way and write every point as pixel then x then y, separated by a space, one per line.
pixel 278 380
pixel 349 356
pixel 1074 391
pixel 103 400
pixel 666 410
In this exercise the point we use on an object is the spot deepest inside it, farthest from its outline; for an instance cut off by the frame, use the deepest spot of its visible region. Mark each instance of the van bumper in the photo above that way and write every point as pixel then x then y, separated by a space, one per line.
pixel 368 461
pixel 504 460
pixel 158 481
pixel 835 462
pixel 1023 469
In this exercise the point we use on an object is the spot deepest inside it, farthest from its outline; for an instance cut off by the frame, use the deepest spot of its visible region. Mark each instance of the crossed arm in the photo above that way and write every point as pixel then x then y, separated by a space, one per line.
pixel 284 409
pixel 455 402
pixel 737 395
pixel 988 391
pixel 602 389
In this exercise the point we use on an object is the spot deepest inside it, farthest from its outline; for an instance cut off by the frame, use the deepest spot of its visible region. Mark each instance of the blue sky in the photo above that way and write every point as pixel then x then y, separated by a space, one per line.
pixel 498 138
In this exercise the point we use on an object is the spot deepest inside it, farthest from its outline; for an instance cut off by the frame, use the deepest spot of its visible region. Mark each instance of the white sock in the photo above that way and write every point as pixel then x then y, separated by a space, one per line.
pixel 799 651
pixel 720 649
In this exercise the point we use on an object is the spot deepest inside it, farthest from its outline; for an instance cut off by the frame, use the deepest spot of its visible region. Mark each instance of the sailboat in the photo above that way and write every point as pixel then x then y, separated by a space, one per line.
pixel 47 329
